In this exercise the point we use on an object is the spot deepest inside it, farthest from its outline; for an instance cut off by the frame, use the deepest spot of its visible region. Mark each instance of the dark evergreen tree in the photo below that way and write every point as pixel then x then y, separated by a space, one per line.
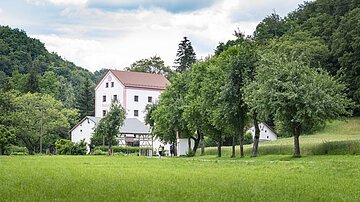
pixel 32 84
pixel 185 56
pixel 85 101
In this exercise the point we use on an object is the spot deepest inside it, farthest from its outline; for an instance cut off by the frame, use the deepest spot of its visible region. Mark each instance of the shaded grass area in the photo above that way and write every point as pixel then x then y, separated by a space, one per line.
pixel 100 178
pixel 338 137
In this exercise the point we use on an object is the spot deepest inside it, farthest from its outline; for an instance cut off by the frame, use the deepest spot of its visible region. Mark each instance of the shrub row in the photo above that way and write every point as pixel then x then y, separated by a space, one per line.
pixel 67 147
pixel 120 149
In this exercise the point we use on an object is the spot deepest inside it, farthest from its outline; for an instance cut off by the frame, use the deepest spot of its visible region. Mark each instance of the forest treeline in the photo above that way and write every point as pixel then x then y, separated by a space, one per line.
pixel 41 91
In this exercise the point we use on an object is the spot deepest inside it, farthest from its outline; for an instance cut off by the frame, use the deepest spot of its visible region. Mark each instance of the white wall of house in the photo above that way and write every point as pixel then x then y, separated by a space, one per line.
pixel 182 146
pixel 142 95
pixel 83 131
pixel 101 90
pixel 266 134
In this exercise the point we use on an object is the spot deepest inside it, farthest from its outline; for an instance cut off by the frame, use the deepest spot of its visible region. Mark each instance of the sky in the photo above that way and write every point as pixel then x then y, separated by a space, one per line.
pixel 97 34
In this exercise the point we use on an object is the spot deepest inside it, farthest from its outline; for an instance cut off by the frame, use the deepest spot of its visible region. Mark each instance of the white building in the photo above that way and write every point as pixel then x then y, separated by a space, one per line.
pixel 266 132
pixel 134 90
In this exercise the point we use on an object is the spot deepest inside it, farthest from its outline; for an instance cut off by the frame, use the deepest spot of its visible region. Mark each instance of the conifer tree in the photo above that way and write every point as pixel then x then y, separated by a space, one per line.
pixel 185 55
pixel 85 101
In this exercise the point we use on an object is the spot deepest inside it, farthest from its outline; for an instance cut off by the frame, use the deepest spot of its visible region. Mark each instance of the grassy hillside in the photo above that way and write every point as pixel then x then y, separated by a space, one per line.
pixel 130 178
pixel 338 137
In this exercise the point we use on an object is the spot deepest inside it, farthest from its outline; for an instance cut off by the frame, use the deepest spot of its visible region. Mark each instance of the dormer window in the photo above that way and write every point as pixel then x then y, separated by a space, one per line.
pixel 136 98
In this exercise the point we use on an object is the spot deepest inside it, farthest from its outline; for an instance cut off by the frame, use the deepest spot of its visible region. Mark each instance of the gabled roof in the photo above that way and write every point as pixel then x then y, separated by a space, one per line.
pixel 141 79
pixel 134 126
pixel 91 118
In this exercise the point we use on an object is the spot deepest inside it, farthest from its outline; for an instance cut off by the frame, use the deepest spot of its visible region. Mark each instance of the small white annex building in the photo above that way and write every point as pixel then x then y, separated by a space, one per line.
pixel 182 146
pixel 266 132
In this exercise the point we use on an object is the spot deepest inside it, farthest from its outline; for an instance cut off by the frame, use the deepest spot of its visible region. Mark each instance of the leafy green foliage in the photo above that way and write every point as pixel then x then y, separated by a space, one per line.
pixel 299 97
pixel 108 127
pixel 67 147
pixel 7 137
pixel 153 65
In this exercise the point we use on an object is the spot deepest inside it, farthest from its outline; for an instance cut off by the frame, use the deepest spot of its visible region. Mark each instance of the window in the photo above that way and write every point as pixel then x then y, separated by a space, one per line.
pixel 112 84
pixel 267 137
pixel 115 97
pixel 149 99
pixel 104 112
pixel 80 131
pixel 136 98
pixel 107 85
pixel 265 131
pixel 104 98
pixel 136 112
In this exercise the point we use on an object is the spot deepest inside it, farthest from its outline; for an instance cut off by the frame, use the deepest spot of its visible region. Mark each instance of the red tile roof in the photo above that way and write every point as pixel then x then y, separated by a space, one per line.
pixel 140 79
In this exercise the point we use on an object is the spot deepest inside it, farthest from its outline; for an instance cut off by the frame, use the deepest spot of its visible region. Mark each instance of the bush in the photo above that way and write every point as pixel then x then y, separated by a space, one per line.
pixel 67 147
pixel 16 150
pixel 248 139
pixel 122 150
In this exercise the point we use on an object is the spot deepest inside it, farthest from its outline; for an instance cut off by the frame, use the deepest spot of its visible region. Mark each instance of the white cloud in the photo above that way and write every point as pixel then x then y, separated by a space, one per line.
pixel 59 2
pixel 94 38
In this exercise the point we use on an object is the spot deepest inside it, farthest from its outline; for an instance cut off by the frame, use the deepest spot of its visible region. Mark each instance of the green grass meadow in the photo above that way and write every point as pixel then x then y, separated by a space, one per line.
pixel 271 177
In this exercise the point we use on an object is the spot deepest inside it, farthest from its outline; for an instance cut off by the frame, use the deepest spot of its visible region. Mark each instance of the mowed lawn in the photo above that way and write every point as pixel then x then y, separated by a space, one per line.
pixel 131 178
pixel 270 177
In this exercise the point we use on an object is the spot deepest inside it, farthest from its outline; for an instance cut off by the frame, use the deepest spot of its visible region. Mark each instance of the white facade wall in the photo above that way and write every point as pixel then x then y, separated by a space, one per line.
pixel 83 131
pixel 182 146
pixel 266 134
pixel 140 105
pixel 101 90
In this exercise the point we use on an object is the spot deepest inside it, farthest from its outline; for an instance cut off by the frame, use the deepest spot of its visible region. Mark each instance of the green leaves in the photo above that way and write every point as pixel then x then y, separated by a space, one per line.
pixel 109 125
pixel 295 93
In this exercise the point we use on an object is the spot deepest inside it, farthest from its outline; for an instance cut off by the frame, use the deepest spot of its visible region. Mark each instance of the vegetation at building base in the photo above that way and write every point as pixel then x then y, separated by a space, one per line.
pixel 124 178
pixel 109 126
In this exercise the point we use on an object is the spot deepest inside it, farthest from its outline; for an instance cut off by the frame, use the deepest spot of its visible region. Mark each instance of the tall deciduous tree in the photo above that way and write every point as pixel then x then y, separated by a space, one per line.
pixel 185 56
pixel 154 65
pixel 109 126
pixel 239 62
pixel 39 119
pixel 296 94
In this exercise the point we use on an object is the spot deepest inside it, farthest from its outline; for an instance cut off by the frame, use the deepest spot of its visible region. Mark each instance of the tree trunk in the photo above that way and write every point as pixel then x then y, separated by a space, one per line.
pixel 196 141
pixel 110 149
pixel 219 147
pixel 256 136
pixel 202 143
pixel 189 144
pixel 233 147
pixel 242 143
pixel 296 141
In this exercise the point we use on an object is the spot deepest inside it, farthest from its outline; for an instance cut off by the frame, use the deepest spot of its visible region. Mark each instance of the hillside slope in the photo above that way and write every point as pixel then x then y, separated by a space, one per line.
pixel 338 137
